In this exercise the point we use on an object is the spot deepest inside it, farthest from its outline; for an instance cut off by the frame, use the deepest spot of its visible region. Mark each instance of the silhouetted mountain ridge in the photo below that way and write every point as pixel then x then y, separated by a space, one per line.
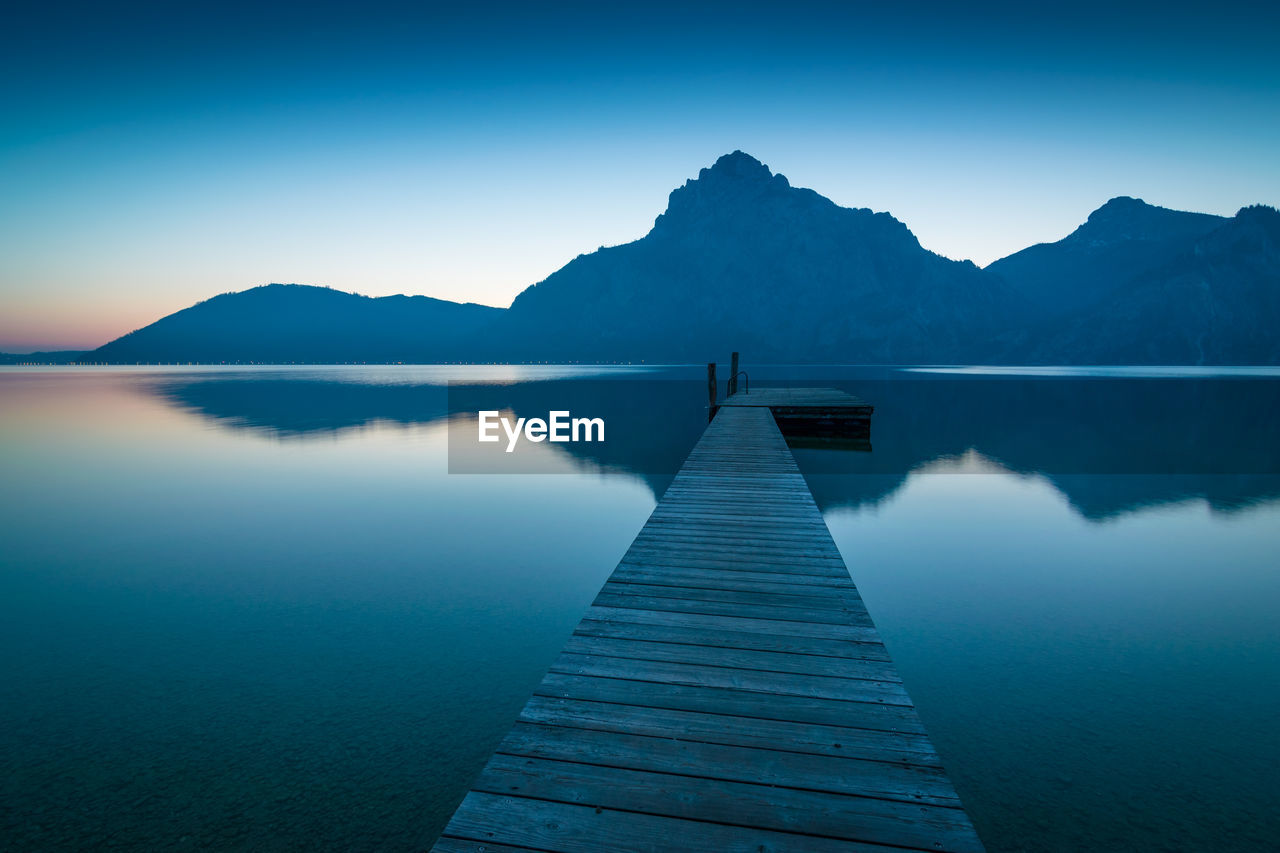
pixel 1124 219
pixel 42 357
pixel 743 260
pixel 1121 239
pixel 293 322
pixel 740 259
pixel 1211 300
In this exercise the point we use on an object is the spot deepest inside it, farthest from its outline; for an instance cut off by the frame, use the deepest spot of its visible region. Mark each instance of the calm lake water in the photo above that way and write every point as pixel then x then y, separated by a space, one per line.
pixel 253 609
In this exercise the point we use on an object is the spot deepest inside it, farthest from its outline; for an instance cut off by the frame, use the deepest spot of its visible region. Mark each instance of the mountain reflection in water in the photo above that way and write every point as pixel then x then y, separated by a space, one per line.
pixel 1110 444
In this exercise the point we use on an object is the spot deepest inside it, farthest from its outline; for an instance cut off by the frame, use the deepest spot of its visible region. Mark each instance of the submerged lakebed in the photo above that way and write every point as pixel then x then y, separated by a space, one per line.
pixel 252 607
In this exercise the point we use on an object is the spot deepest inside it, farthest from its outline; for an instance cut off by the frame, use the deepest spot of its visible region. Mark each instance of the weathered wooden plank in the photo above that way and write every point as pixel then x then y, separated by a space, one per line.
pixel 727 505
pixel 690 511
pixel 728 478
pixel 728 508
pixel 883 779
pixel 751 659
pixel 745 462
pixel 796 565
pixel 832 600
pixel 815 551
pixel 871 649
pixel 552 826
pixel 734 803
pixel 447 844
pixel 736 579
pixel 802 523
pixel 729 481
pixel 782 537
pixel 726 546
pixel 729 542
pixel 698 510
pixel 729 522
pixel 724 489
pixel 719 700
pixel 726 468
pixel 763 462
pixel 729 557
pixel 717 608
pixel 749 624
pixel 729 730
pixel 849 689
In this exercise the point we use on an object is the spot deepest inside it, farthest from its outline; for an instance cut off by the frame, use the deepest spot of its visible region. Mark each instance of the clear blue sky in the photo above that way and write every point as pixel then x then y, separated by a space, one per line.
pixel 152 156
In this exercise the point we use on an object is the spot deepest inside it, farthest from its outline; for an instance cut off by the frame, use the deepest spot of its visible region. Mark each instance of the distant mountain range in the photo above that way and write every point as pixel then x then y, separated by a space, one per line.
pixel 741 260
pixel 55 357
pixel 1211 298
pixel 296 323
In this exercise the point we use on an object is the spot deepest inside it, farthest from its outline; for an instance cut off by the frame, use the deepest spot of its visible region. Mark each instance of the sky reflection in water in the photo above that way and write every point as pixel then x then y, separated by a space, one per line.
pixel 252 606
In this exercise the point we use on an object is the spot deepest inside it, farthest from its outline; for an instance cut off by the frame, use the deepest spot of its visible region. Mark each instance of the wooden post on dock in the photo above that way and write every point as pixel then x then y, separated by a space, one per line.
pixel 711 389
pixel 733 375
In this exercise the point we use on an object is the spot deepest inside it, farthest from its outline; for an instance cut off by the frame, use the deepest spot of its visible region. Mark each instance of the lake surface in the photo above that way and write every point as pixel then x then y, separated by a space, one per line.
pixel 252 608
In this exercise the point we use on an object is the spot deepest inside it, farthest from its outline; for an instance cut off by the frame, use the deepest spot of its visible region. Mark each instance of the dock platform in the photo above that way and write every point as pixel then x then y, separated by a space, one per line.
pixel 804 398
pixel 726 691
pixel 809 412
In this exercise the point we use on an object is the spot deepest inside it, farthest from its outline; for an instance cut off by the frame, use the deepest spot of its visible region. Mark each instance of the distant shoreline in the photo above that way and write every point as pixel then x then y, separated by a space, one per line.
pixel 1121 371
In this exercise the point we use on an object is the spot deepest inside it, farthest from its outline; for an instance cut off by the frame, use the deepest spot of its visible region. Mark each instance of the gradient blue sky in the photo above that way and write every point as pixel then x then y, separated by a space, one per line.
pixel 152 156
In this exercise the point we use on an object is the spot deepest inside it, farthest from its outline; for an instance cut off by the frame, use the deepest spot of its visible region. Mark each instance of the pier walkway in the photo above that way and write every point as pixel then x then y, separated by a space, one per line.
pixel 726 691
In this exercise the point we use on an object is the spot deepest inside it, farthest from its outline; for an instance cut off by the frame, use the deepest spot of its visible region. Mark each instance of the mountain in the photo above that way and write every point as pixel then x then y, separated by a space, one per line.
pixel 743 260
pixel 299 323
pixel 1121 239
pixel 55 357
pixel 1212 299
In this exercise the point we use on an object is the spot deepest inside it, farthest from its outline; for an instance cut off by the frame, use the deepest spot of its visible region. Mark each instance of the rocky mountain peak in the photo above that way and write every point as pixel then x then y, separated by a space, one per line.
pixel 1124 219
pixel 734 183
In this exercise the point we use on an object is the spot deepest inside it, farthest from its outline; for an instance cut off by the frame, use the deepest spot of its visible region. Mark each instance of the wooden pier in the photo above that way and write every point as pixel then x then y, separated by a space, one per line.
pixel 726 691
pixel 809 412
